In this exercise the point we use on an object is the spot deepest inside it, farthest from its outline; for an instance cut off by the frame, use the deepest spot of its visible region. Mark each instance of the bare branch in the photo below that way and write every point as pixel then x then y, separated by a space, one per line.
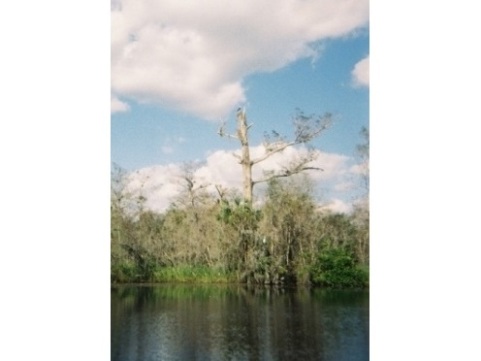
pixel 271 150
pixel 227 135
pixel 221 191
pixel 285 173
pixel 230 136
pixel 223 133
pixel 296 166
pixel 193 193
pixel 306 129
pixel 190 182
pixel 309 127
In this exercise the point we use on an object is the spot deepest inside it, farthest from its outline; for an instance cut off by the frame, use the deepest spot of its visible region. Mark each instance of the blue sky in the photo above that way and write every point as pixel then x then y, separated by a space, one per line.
pixel 173 83
pixel 324 85
pixel 424 140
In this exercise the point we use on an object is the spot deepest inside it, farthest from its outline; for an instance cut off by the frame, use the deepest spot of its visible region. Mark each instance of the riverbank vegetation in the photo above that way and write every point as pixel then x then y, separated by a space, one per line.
pixel 220 238
pixel 225 237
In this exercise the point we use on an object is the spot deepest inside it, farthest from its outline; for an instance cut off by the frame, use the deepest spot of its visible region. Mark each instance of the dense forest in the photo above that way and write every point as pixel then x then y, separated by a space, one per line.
pixel 224 237
pixel 207 238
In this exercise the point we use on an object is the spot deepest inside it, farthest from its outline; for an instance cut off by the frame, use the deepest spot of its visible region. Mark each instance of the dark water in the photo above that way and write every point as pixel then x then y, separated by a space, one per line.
pixel 178 322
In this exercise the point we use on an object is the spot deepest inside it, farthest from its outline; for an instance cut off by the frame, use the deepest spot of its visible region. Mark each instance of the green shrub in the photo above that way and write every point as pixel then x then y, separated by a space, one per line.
pixel 194 274
pixel 337 268
pixel 124 272
pixel 130 271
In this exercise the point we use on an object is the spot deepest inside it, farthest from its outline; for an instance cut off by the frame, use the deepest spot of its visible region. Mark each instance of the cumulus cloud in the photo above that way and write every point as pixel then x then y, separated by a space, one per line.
pixel 160 185
pixel 360 73
pixel 193 56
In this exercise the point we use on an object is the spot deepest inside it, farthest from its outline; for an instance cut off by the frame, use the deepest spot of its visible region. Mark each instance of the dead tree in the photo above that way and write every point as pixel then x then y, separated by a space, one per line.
pixel 306 129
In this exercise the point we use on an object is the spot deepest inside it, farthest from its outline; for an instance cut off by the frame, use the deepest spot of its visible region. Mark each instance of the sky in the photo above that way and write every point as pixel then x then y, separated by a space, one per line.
pixel 180 69
pixel 55 151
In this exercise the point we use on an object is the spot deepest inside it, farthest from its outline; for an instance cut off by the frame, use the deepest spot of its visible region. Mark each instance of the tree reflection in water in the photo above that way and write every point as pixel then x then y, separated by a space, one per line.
pixel 181 322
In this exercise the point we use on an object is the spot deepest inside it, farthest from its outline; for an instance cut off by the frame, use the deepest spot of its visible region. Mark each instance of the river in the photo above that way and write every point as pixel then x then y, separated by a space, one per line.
pixel 210 322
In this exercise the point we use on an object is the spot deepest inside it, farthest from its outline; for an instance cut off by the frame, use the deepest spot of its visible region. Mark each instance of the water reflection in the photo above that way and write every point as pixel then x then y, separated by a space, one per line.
pixel 179 322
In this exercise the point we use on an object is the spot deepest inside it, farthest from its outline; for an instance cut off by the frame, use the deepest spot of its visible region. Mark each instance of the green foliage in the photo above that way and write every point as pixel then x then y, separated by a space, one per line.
pixel 124 272
pixel 132 272
pixel 190 274
pixel 338 231
pixel 337 268
pixel 286 240
pixel 135 266
pixel 239 214
pixel 289 226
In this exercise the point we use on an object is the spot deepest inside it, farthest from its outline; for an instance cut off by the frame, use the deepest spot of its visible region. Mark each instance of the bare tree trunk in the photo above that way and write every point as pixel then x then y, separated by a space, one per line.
pixel 245 161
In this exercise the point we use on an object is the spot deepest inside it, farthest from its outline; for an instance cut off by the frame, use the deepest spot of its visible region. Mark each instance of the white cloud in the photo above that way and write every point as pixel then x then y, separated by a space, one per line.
pixel 193 56
pixel 162 184
pixel 158 184
pixel 116 105
pixel 360 73
pixel 221 168
pixel 361 168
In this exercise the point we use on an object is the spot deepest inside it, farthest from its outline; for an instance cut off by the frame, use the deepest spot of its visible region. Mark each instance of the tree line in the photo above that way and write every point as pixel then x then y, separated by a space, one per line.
pixel 222 237
pixel 203 237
